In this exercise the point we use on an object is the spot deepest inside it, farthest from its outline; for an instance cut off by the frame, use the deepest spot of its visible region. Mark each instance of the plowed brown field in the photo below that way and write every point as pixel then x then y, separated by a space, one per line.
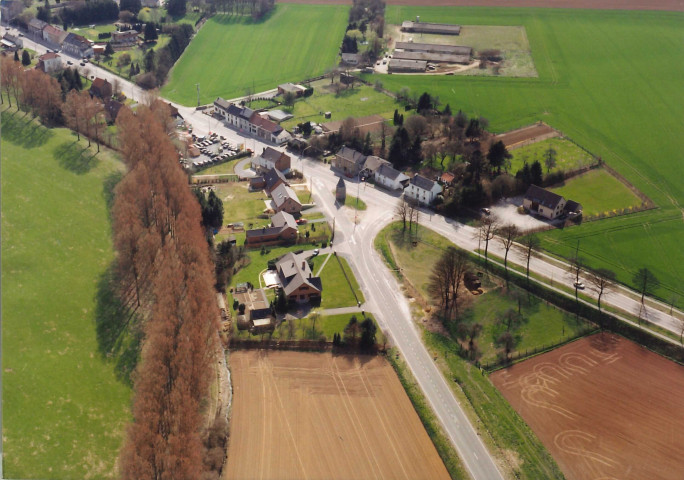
pixel 674 5
pixel 605 408
pixel 309 415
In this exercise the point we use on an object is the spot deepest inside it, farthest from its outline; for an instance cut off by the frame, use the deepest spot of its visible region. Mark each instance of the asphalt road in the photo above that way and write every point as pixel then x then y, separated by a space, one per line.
pixel 354 238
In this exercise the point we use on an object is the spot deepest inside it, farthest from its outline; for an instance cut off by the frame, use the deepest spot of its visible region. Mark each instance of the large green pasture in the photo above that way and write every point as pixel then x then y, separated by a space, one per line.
pixel 64 410
pixel 233 53
pixel 611 81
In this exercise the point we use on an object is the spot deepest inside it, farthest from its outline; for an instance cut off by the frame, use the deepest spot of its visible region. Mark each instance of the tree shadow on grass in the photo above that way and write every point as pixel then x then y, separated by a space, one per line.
pixel 21 130
pixel 117 329
pixel 72 157
pixel 108 185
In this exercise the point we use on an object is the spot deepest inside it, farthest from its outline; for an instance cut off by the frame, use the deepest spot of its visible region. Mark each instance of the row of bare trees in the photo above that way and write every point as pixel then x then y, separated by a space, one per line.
pixel 165 276
pixel 41 94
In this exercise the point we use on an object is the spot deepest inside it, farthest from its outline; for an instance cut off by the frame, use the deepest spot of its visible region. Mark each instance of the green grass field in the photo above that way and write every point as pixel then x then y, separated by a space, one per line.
pixel 64 410
pixel 568 155
pixel 590 65
pixel 598 192
pixel 293 43
pixel 360 101
pixel 336 290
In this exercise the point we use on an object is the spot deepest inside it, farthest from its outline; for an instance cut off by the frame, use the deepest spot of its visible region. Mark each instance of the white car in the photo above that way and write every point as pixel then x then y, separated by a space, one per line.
pixel 316 252
pixel 578 285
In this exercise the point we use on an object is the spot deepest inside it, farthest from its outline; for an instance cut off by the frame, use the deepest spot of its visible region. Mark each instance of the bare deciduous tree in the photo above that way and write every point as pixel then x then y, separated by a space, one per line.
pixel 507 234
pixel 602 281
pixel 529 245
pixel 402 211
pixel 486 229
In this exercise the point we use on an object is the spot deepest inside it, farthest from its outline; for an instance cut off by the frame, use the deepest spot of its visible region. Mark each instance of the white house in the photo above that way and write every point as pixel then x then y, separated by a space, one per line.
pixel 390 178
pixel 422 189
pixel 248 121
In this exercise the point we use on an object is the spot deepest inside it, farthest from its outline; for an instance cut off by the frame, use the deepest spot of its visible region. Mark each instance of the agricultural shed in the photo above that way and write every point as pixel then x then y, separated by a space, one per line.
pixel 279 115
pixel 434 48
pixel 406 66
pixel 432 57
pixel 434 28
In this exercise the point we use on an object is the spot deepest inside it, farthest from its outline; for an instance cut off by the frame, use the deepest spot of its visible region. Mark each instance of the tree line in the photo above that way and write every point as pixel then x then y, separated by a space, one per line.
pixel 165 276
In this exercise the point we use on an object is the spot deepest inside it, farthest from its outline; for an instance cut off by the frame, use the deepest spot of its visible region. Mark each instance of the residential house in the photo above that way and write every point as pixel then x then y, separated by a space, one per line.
pixel 126 38
pixel 101 88
pixel 351 58
pixel 35 27
pixel 259 315
pixel 447 178
pixel 422 189
pixel 151 3
pixel 297 281
pixel 77 46
pixel 10 9
pixel 12 42
pixel 371 165
pixel 283 230
pixel 271 158
pixel 284 199
pixel 50 63
pixel 272 179
pixel 349 161
pixel 247 120
pixel 543 202
pixel 298 90
pixel 390 178
pixel 54 35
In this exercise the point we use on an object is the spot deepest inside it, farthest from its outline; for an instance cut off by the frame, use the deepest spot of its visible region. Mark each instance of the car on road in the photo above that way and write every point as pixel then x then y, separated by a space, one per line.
pixel 316 252
pixel 578 285
pixel 69 62
pixel 486 211
pixel 301 221
pixel 82 64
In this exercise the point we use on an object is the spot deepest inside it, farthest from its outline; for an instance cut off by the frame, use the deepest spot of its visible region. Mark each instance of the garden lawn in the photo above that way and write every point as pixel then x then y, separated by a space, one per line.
pixel 360 101
pixel 292 43
pixel 241 205
pixel 568 155
pixel 354 202
pixel 598 192
pixel 337 292
pixel 64 411
pixel 590 63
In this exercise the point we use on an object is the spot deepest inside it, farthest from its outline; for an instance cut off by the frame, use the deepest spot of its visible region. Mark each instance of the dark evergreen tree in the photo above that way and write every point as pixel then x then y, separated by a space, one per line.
pixel 447 110
pixel 536 173
pixel 109 50
pixel 25 58
pixel 16 57
pixel 424 103
pixel 150 32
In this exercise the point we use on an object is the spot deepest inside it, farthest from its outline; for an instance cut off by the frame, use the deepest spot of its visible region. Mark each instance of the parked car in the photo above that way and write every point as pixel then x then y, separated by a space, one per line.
pixel 316 252
pixel 578 285
pixel 486 211
pixel 82 64
pixel 301 221
pixel 69 62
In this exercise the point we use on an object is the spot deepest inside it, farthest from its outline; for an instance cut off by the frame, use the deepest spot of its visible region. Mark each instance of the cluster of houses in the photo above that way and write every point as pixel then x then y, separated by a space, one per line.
pixel 70 43
pixel 246 120
pixel 293 275
pixel 353 163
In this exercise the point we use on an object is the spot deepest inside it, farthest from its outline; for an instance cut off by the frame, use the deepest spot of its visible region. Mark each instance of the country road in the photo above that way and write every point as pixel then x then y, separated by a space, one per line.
pixel 380 287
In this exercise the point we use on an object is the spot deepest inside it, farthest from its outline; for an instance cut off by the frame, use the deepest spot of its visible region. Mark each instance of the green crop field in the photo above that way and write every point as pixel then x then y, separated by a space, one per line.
pixel 611 81
pixel 293 43
pixel 598 192
pixel 568 155
pixel 64 410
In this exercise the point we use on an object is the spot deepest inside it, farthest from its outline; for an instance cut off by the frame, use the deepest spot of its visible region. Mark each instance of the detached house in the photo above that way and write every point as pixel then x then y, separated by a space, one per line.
pixel 283 230
pixel 271 158
pixel 101 88
pixel 77 46
pixel 548 204
pixel 422 189
pixel 35 27
pixel 296 278
pixel 126 38
pixel 284 199
pixel 49 63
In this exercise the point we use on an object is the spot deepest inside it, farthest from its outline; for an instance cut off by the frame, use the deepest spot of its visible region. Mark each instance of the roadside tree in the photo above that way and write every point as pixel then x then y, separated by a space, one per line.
pixel 602 280
pixel 646 282
pixel 507 234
